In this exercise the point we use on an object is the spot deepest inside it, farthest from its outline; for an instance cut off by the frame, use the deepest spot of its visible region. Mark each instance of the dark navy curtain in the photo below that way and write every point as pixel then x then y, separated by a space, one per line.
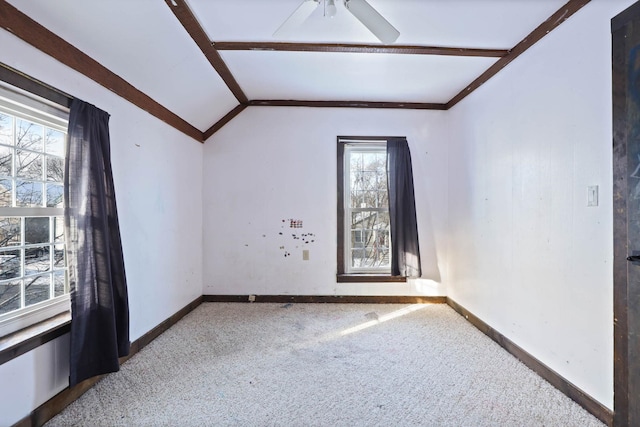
pixel 99 302
pixel 405 257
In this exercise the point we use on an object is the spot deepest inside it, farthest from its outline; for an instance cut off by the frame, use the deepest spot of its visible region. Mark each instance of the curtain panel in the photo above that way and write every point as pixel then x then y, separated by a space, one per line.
pixel 99 301
pixel 405 257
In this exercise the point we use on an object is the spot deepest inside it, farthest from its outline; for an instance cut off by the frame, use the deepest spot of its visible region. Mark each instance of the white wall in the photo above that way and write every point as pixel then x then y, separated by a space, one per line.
pixel 275 163
pixel 158 179
pixel 500 191
pixel 527 254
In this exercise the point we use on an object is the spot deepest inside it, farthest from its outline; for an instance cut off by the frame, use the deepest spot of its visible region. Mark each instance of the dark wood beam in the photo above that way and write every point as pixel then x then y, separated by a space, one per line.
pixel 223 121
pixel 561 15
pixel 190 23
pixel 347 104
pixel 317 104
pixel 19 24
pixel 361 48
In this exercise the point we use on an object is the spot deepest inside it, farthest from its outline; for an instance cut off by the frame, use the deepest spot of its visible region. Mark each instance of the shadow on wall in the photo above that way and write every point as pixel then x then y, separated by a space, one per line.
pixel 428 250
pixel 426 235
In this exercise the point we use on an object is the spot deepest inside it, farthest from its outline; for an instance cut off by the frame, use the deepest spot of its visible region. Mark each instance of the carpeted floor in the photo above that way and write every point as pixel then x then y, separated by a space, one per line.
pixel 323 365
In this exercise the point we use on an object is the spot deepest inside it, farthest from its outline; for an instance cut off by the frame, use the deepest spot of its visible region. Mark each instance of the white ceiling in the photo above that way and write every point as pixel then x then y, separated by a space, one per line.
pixel 143 42
pixel 462 23
pixel 353 76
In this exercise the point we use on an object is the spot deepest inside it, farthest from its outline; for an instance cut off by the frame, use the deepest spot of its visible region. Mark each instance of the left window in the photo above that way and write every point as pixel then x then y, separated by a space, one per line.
pixel 33 274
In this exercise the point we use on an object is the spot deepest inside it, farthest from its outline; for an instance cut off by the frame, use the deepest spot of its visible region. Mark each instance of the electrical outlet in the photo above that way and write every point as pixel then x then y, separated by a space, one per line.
pixel 305 254
pixel 252 298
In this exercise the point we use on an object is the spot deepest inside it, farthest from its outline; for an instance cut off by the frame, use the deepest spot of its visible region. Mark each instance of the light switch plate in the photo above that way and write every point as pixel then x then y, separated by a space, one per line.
pixel 592 195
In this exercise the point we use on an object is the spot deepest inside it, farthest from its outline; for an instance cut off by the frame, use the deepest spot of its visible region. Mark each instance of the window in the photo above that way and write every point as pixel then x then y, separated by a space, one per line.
pixel 366 206
pixel 33 275
pixel 364 239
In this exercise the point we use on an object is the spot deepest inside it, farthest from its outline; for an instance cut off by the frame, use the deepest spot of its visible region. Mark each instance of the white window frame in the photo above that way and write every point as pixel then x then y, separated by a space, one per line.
pixel 349 148
pixel 27 106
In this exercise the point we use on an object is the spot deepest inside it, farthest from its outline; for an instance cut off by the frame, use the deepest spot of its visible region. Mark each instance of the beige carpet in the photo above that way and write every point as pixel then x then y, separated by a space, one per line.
pixel 323 365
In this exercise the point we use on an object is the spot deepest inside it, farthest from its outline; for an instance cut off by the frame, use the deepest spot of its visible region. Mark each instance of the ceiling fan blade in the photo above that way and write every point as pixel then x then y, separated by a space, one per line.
pixel 300 15
pixel 380 27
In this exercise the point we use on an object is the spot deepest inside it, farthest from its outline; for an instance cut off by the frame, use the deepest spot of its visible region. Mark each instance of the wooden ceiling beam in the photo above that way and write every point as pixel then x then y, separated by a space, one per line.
pixel 317 104
pixel 223 121
pixel 20 25
pixel 561 15
pixel 190 23
pixel 347 104
pixel 361 48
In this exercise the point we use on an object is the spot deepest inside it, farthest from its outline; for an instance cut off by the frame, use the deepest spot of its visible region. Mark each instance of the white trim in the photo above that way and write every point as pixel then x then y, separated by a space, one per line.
pixel 24 105
pixel 37 211
pixel 20 319
pixel 34 108
pixel 357 146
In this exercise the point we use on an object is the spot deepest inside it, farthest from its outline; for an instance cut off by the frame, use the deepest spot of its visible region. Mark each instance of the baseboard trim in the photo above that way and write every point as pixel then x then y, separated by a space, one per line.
pixel 332 299
pixel 594 407
pixel 144 340
pixel 57 403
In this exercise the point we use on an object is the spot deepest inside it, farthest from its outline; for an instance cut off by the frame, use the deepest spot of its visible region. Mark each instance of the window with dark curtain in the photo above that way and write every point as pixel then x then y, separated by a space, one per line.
pixel 405 258
pixel 99 301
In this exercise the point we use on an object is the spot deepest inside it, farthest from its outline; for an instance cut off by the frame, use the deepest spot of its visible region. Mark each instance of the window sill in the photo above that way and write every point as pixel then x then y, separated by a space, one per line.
pixel 24 340
pixel 368 278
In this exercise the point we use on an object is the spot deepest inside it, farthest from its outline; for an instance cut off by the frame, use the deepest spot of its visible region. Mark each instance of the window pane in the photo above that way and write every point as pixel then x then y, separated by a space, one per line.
pixel 36 230
pixel 55 169
pixel 9 264
pixel 9 232
pixel 368 180
pixel 357 199
pixel 5 192
pixel 36 260
pixel 29 165
pixel 58 256
pixel 9 296
pixel 28 193
pixel 370 240
pixel 6 129
pixel 54 142
pixel 370 199
pixel 29 135
pixel 54 195
pixel 58 229
pixel 59 283
pixel 6 159
pixel 37 289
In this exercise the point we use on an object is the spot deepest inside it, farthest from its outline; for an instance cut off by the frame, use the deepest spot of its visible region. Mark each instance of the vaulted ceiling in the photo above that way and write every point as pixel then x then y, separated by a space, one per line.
pixel 204 61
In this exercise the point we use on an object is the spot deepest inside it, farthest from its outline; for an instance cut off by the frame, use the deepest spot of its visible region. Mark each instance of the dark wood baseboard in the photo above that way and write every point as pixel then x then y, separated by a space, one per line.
pixel 56 404
pixel 144 340
pixel 333 299
pixel 594 407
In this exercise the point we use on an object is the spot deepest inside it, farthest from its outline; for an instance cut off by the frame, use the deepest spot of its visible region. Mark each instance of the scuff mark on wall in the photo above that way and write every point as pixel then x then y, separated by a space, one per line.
pixel 306 238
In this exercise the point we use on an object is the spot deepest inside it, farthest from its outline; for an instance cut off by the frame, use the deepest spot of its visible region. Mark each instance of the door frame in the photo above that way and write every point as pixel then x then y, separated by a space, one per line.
pixel 625 30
